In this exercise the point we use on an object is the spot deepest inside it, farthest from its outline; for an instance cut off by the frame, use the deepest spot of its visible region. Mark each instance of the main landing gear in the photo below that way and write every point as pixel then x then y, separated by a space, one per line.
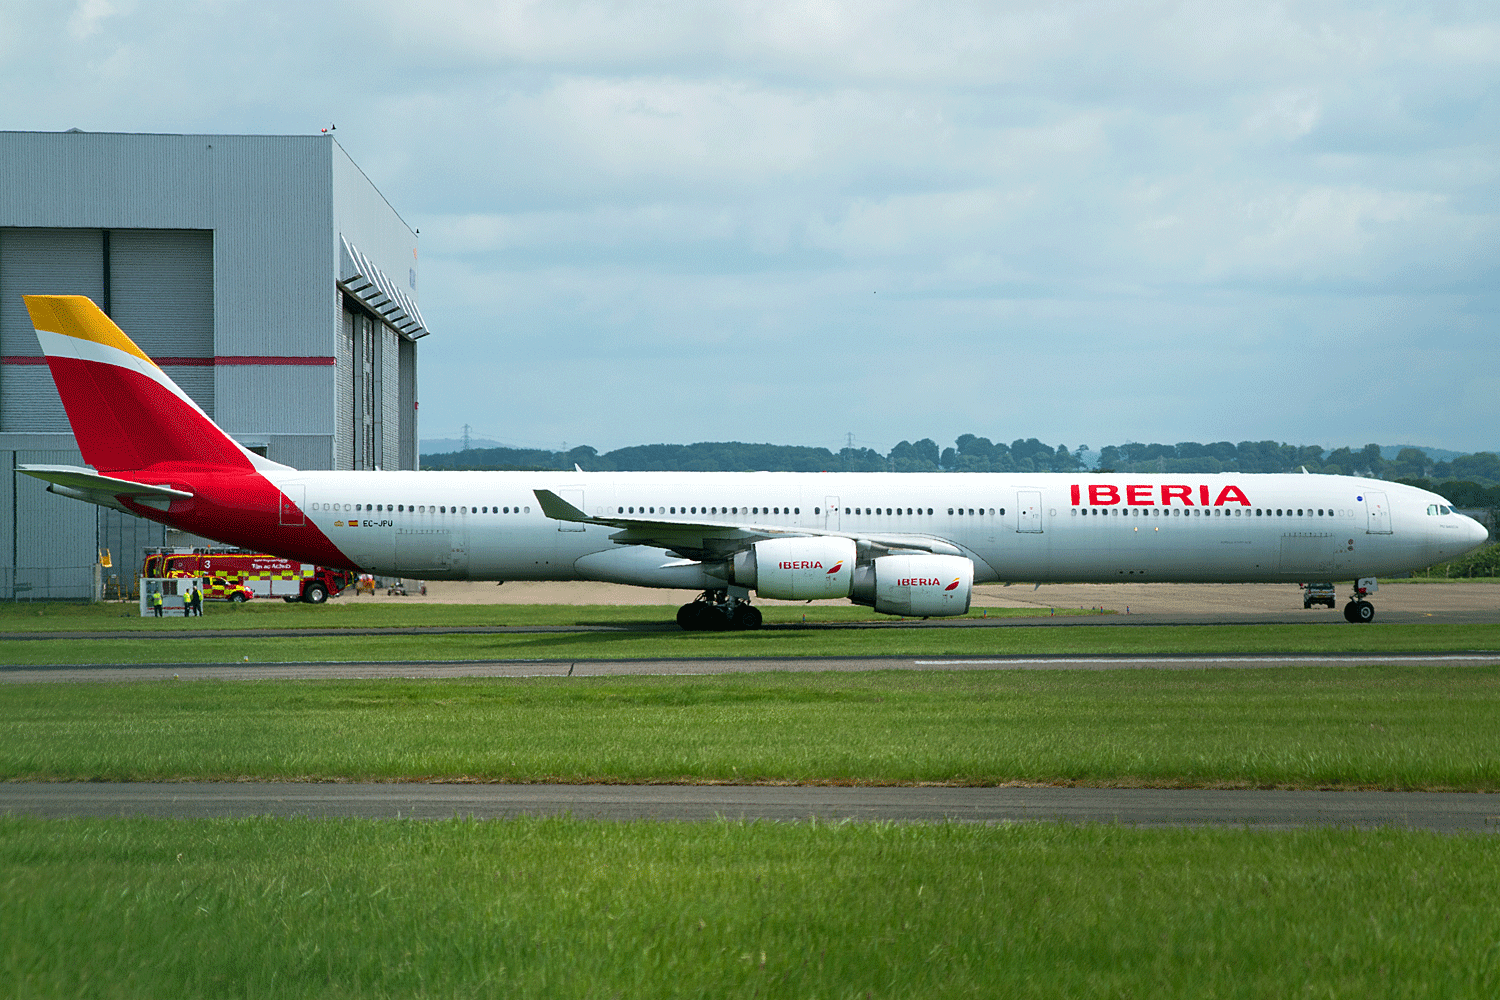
pixel 716 611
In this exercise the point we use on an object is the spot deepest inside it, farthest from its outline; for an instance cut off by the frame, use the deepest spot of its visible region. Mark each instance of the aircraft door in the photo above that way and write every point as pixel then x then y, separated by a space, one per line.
pixel 293 503
pixel 574 497
pixel 1028 510
pixel 1378 509
pixel 831 513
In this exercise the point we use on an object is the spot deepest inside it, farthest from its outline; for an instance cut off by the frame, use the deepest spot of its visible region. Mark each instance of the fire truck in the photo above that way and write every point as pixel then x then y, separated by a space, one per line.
pixel 236 575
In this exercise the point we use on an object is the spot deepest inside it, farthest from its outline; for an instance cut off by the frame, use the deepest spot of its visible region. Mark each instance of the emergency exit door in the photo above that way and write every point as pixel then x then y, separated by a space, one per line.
pixel 1028 510
pixel 1378 510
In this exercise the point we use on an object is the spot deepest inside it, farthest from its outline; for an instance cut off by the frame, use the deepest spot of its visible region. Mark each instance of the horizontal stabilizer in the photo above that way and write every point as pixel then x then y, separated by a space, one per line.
pixel 86 484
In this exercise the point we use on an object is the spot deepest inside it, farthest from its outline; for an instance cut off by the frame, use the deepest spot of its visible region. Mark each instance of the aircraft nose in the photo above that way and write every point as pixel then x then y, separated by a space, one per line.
pixel 1477 534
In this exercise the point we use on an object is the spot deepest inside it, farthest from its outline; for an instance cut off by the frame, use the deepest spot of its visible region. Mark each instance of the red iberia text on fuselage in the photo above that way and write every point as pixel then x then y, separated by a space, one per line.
pixel 1152 495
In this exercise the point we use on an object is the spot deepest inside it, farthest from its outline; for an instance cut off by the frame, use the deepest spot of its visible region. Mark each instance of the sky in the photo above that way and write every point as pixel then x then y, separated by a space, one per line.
pixel 810 223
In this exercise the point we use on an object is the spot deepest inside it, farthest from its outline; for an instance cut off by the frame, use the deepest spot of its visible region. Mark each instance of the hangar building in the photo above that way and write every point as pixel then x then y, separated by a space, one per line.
pixel 265 274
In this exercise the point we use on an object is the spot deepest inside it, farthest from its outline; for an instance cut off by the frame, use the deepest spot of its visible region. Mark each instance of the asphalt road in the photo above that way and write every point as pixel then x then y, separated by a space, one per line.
pixel 1441 812
pixel 419 669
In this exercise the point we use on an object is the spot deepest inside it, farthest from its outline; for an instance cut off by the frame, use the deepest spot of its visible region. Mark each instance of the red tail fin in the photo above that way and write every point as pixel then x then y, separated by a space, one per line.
pixel 126 413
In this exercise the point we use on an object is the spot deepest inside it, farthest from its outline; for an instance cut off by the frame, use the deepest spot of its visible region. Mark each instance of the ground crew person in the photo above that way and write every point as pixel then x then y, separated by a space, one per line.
pixel 195 601
pixel 156 602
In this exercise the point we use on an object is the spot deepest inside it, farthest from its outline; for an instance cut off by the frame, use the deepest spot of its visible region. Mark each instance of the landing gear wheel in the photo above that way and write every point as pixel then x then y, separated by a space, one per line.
pixel 690 617
pixel 1359 612
pixel 715 611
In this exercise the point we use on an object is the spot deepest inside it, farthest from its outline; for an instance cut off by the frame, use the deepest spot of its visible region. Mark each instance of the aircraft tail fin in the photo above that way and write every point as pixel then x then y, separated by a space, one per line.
pixel 126 412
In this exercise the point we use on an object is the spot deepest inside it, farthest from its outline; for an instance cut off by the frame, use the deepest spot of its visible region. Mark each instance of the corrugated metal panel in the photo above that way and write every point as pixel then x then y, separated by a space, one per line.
pixel 44 262
pixel 106 180
pixel 302 451
pixel 39 262
pixel 55 537
pixel 390 399
pixel 162 296
pixel 162 290
pixel 343 395
pixel 408 403
pixel 275 252
pixel 362 216
pixel 276 399
pixel 29 400
pixel 7 513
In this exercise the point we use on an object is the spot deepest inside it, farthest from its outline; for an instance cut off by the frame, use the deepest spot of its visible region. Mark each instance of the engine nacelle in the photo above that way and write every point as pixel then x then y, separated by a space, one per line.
pixel 920 586
pixel 797 569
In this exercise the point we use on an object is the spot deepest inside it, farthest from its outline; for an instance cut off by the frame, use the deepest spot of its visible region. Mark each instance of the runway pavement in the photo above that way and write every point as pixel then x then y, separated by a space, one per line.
pixel 417 669
pixel 1441 812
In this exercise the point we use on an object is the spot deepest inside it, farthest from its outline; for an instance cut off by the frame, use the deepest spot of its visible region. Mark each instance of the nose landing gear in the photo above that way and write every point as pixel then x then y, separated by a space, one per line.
pixel 716 611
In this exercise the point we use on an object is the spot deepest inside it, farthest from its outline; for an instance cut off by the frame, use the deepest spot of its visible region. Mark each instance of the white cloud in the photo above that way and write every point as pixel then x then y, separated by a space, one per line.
pixel 1184 220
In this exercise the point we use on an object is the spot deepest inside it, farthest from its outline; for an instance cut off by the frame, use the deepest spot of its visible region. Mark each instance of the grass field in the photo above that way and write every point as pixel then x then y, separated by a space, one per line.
pixel 1366 727
pixel 558 907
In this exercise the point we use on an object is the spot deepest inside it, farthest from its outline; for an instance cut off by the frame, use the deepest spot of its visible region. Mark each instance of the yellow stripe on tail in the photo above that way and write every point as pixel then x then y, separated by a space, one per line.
pixel 77 316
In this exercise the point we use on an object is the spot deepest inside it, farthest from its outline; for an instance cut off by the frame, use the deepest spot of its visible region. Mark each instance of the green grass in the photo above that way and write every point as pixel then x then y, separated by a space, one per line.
pixel 670 643
pixel 1366 727
pixel 349 612
pixel 558 907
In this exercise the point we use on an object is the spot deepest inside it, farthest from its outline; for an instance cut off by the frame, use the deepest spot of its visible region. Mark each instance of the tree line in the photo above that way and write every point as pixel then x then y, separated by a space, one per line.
pixel 1476 476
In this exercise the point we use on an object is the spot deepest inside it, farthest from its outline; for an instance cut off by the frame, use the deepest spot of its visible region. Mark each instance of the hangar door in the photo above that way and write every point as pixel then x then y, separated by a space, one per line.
pixel 157 284
pixel 39 262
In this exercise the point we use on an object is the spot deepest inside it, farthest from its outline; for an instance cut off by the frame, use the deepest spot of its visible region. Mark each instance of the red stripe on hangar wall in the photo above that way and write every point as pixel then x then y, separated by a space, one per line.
pixel 223 360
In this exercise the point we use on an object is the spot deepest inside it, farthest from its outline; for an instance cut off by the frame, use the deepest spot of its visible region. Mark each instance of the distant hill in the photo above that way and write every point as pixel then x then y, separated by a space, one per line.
pixel 437 446
pixel 970 453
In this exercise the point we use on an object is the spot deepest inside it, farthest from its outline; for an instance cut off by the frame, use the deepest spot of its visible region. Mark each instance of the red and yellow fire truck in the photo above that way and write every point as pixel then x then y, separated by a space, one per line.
pixel 236 575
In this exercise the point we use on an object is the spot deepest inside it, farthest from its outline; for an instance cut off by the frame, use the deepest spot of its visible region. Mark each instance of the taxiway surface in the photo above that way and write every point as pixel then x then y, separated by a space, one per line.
pixel 1442 812
pixel 686 667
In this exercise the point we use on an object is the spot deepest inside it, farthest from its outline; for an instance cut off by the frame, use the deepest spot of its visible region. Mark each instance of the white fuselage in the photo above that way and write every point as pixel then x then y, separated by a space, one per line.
pixel 1022 527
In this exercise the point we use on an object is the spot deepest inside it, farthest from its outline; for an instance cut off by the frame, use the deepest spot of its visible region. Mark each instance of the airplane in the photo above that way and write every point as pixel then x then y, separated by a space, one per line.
pixel 910 544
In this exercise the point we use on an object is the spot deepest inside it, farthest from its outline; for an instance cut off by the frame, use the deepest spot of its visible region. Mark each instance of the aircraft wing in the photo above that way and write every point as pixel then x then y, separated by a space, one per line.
pixel 106 491
pixel 695 539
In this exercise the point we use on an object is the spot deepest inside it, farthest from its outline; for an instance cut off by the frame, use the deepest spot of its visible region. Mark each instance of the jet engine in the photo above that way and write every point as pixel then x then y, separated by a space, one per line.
pixel 921 586
pixel 797 569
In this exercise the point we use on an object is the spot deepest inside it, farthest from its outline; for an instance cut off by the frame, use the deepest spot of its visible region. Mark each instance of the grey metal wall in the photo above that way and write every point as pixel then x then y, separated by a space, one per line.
pixel 161 293
pixel 156 284
pixel 343 396
pixel 44 262
pixel 52 539
pixel 390 399
pixel 409 413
